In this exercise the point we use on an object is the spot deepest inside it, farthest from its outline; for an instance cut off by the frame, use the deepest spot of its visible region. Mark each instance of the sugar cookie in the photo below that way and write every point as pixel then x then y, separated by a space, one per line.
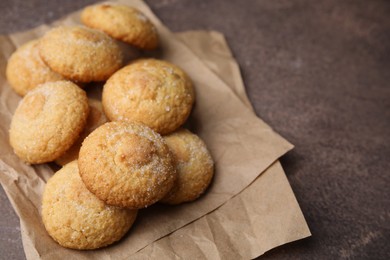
pixel 150 91
pixel 95 119
pixel 48 120
pixel 80 53
pixel 123 23
pixel 77 219
pixel 126 164
pixel 195 167
pixel 26 70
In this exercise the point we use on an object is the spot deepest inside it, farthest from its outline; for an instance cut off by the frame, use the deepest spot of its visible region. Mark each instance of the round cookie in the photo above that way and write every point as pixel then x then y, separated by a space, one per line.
pixel 77 219
pixel 150 91
pixel 26 70
pixel 80 53
pixel 95 119
pixel 126 164
pixel 194 165
pixel 123 23
pixel 48 120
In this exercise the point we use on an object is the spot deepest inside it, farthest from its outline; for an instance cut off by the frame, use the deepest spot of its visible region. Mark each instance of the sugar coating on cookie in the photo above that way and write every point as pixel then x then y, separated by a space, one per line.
pixel 194 164
pixel 26 70
pixel 80 53
pixel 76 218
pixel 126 164
pixel 95 119
pixel 123 23
pixel 154 92
pixel 48 120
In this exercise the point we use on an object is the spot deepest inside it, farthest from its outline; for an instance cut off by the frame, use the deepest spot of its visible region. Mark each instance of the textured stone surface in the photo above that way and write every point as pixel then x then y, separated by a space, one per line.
pixel 318 73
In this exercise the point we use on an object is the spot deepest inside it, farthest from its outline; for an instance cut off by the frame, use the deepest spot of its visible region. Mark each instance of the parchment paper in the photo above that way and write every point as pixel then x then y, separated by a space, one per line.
pixel 242 146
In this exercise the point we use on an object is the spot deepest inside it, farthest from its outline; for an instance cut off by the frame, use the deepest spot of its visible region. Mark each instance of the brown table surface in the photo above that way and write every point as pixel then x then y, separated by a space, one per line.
pixel 318 72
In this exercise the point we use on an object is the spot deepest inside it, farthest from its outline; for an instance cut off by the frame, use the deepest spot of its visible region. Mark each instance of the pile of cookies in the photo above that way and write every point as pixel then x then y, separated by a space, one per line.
pixel 119 155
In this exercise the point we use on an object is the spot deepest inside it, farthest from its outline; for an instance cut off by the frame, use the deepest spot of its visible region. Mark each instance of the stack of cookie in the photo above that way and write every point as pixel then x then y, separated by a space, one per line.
pixel 119 155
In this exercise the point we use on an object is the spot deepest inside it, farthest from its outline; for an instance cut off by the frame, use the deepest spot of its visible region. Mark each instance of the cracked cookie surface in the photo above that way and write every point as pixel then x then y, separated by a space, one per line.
pixel 154 92
pixel 75 218
pixel 81 54
pixel 123 23
pixel 126 164
pixel 194 164
pixel 48 120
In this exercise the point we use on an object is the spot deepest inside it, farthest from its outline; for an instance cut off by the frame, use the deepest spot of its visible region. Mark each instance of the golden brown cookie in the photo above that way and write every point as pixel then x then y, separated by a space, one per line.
pixel 150 91
pixel 77 219
pixel 26 70
pixel 126 164
pixel 123 23
pixel 48 120
pixel 80 53
pixel 95 119
pixel 195 167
